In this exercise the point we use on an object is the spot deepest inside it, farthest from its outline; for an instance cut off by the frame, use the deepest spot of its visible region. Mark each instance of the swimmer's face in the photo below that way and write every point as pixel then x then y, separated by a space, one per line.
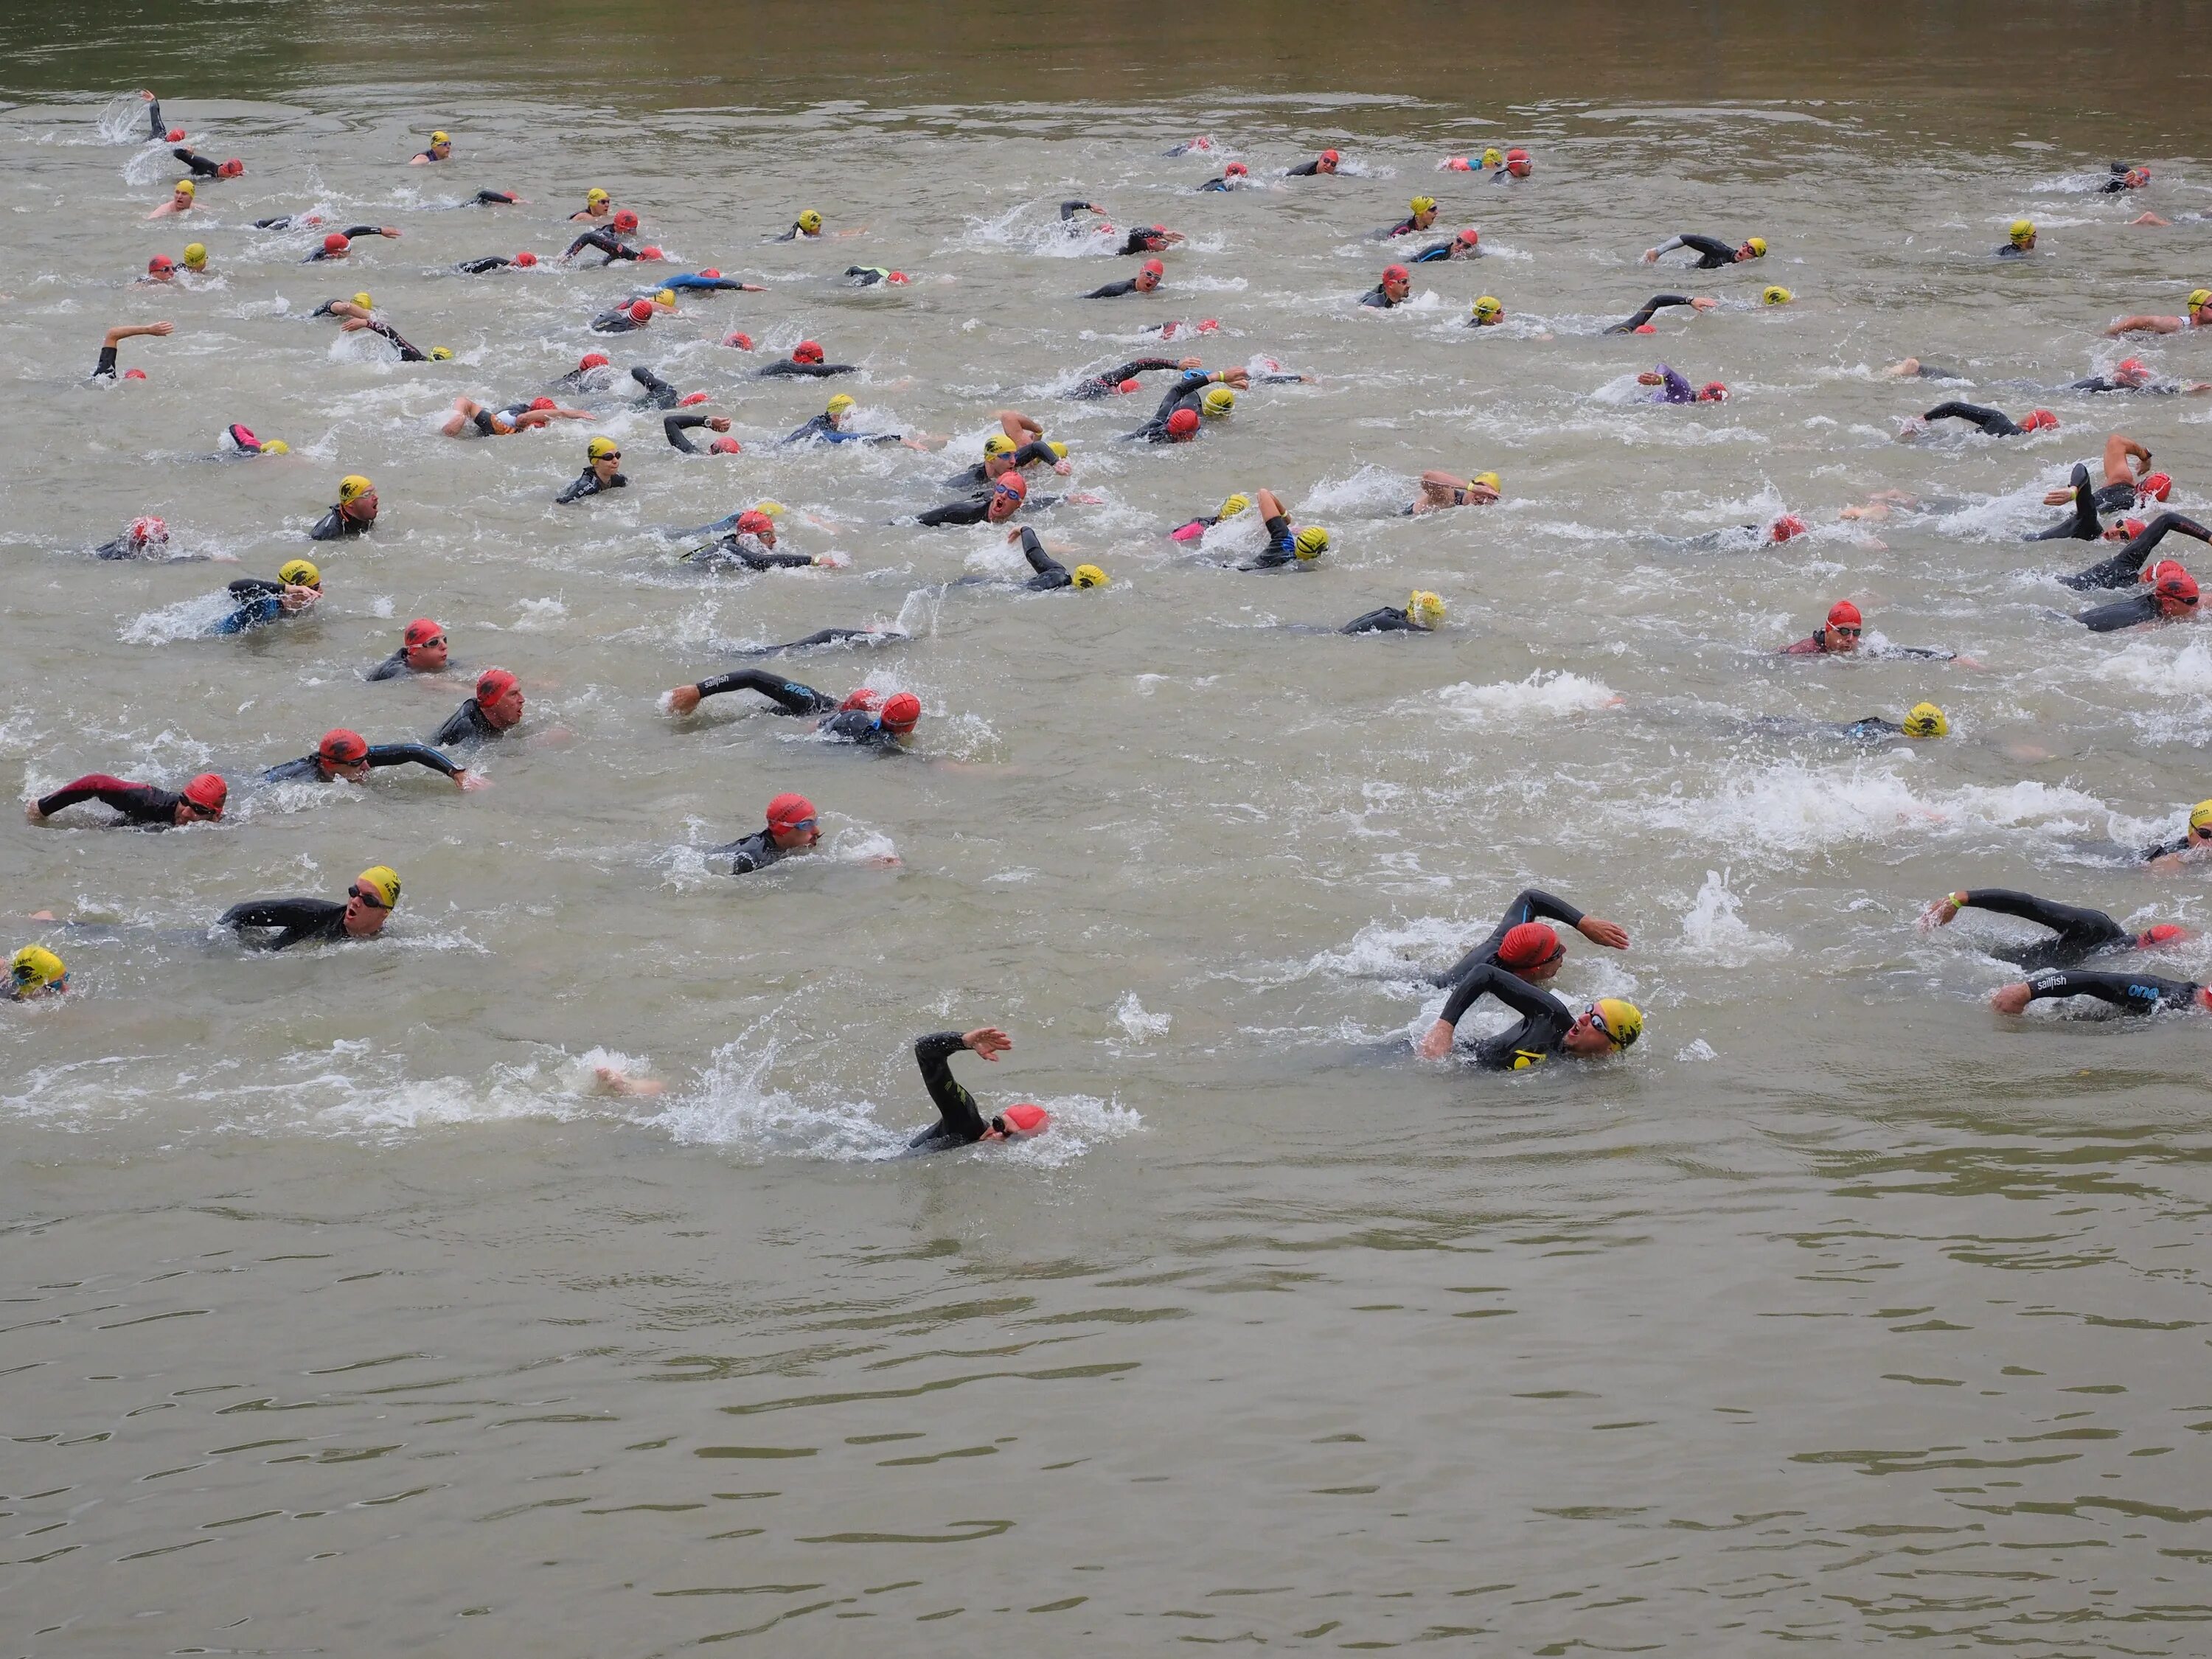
pixel 805 833
pixel 430 656
pixel 505 709
pixel 363 505
pixel 1326 166
pixel 2202 317
pixel 1548 969
pixel 2023 242
pixel 182 196
pixel 1004 505
pixel 441 151
pixel 1584 1038
pixel 1424 218
pixel 607 465
pixel 2177 607
pixel 364 916
pixel 348 771
pixel 1146 282
pixel 1836 637
pixel 1396 287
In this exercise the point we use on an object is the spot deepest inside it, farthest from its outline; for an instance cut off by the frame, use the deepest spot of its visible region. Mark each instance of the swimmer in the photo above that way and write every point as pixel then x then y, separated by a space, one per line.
pixel 1007 495
pixel 597 204
pixel 1441 489
pixel 1286 547
pixel 148 538
pixel 1523 945
pixel 2082 526
pixel 33 972
pixel 828 428
pixel 2123 177
pixel 105 368
pixel 339 243
pixel 2171 597
pixel 1234 176
pixel 1488 313
pixel 2131 993
pixel 867 719
pixel 1201 144
pixel 608 243
pixel 1921 721
pixel 353 514
pixel 1196 528
pixel 441 149
pixel 2196 313
pixel 1189 392
pixel 422 650
pixel 2125 568
pixel 1547 1026
pixel 159 269
pixel 181 200
pixel 960 1122
pixel 593 372
pixel 602 471
pixel 1148 239
pixel 257 603
pixel 409 351
pixel 828 637
pixel 157 132
pixel 2134 375
pixel 792 827
pixel 1422 613
pixel 525 260
pixel 658 393
pixel 1019 442
pixel 1711 251
pixel 1179 425
pixel 1517 166
pixel 2021 242
pixel 496 710
pixel 1420 214
pixel 1394 290
pixel 1467 244
pixel 1656 303
pixel 368 905
pixel 1913 368
pixel 1322 165
pixel 709 281
pixel 195 258
pixel 1993 424
pixel 2128 481
pixel 2077 934
pixel 750 541
pixel 869 275
pixel 1143 282
pixel 1839 637
pixel 204 168
pixel 625 319
pixel 361 305
pixel 1051 574
pixel 807 224
pixel 1675 389
pixel 674 426
pixel 239 440
pixel 470 416
pixel 345 756
pixel 2192 845
pixel 141 806
pixel 805 362
pixel 290 222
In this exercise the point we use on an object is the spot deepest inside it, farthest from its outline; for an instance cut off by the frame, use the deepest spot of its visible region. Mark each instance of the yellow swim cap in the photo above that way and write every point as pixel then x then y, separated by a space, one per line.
pixel 353 486
pixel 2022 229
pixel 1057 447
pixel 439 138
pixel 1423 204
pixel 998 444
pixel 600 448
pixel 382 880
pixel 2200 815
pixel 442 354
pixel 840 404
pixel 666 296
pixel 33 968
pixel 1311 542
pixel 773 509
pixel 1776 294
pixel 1494 157
pixel 362 299
pixel 186 185
pixel 1234 505
pixel 1490 478
pixel 299 573
pixel 810 222
pixel 1217 400
pixel 195 256
pixel 1089 575
pixel 595 194
pixel 1425 608
pixel 275 447
pixel 1488 306
pixel 2199 298
pixel 1926 720
pixel 1757 245
pixel 1621 1021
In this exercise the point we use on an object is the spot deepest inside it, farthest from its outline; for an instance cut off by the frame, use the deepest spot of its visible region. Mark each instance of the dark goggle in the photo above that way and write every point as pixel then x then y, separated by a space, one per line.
pixel 611 455
pixel 1598 1025
pixel 197 810
pixel 803 823
pixel 372 901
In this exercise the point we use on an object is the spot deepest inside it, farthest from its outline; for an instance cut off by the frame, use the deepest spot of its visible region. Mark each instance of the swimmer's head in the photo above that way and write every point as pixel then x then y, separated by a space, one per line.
pixel 1488 309
pixel 1518 162
pixel 1925 720
pixel 1183 426
pixel 499 697
pixel 2175 594
pixel 596 195
pixel 1494 157
pixel 898 279
pixel 839 406
pixel 2136 177
pixel 809 223
pixel 1236 170
pixel 1469 237
pixel 424 642
pixel 726 445
pixel 1713 392
pixel 589 361
pixel 757 524
pixel 195 256
pixel 1775 294
pixel 335 242
pixel 1233 505
pixel 1531 949
pixel 1310 542
pixel 1088 575
pixel 1329 161
pixel 794 816
pixel 2200 821
pixel 806 351
pixel 665 296
pixel 437 138
pixel 2200 299
pixel 1149 277
pixel 1844 625
pixel 641 311
pixel 900 712
pixel 740 341
pixel 1620 1022
pixel 134 374
pixel 343 748
pixel 362 299
pixel 377 887
pixel 234 168
pixel 1217 400
pixel 1754 247
pixel 275 447
pixel 1007 494
pixel 1422 204
pixel 184 189
pixel 35 971
pixel 440 353
pixel 526 259
pixel 625 220
pixel 1425 609
pixel 1491 480
pixel 2132 372
pixel 998 444
pixel 2022 233
pixel 205 794
pixel 1786 527
pixel 1396 281
pixel 352 486
pixel 602 449
pixel 537 404
pixel 149 531
pixel 161 266
pixel 650 252
pixel 2039 420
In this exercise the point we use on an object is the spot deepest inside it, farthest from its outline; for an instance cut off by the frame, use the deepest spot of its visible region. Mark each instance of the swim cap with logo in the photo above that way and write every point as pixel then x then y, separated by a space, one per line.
pixel 160 265
pixel 340 747
pixel 1489 305
pixel 810 222
pixel 665 296
pixel 2022 229
pixel 2156 485
pixel 1926 720
pixel 788 809
pixel 600 448
pixel 1490 478
pixel 1396 273
pixel 1757 245
pixel 1528 945
pixel 1234 505
pixel 382 880
pixel 1425 607
pixel 299 573
pixel 195 255
pixel 1217 400
pixel 34 967
pixel 1089 576
pixel 2200 815
pixel 1776 294
pixel 838 404
pixel 998 444
pixel 234 168
pixel 2178 588
pixel 1423 204
pixel 625 220
pixel 1310 542
pixel 439 138
pixel 806 351
pixel 493 684
pixel 420 631
pixel 352 486
pixel 207 792
pixel 1621 1021
pixel 2040 420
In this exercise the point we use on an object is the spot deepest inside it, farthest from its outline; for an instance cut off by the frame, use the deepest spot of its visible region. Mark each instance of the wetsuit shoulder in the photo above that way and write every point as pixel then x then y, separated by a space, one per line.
pixel 973 512
pixel 296 920
pixel 1387 620
pixel 755 852
pixel 465 724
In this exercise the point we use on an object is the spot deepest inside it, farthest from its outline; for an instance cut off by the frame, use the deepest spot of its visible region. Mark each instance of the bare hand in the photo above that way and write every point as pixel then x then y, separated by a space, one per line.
pixel 31 813
pixel 471 780
pixel 1702 304
pixel 297 599
pixel 1437 1041
pixel 988 1040
pixel 161 328
pixel 1941 914
pixel 1610 934
pixel 718 423
pixel 1650 256
pixel 1063 467
pixel 2011 999
pixel 683 699
pixel 1189 363
pixel 1650 377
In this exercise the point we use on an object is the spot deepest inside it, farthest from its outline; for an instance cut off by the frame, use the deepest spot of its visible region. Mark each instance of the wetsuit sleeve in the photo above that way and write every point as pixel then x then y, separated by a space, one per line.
pixel 1137 366
pixel 155 124
pixel 2124 567
pixel 2120 613
pixel 1035 451
pixel 961 1120
pixel 2082 527
pixel 956 513
pixel 1040 561
pixel 409 353
pixel 1069 210
pixel 1529 904
pixel 135 801
pixel 1651 307
pixel 201 166
pixel 352 231
pixel 675 426
pixel 584 483
pixel 1311 169
pixel 1676 388
pixel 759 558
pixel 2131 993
pixel 254 588
pixel 410 754
pixel 105 368
pixel 657 391
pixel 754 852
pixel 1995 422
pixel 2063 919
pixel 789 696
pixel 1715 253
pixel 494 199
pixel 1516 993
pixel 297 919
pixel 1111 291
pixel 477 267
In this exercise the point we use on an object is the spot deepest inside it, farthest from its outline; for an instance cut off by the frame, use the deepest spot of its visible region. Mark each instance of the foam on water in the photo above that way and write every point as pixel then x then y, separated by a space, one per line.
pixel 1549 692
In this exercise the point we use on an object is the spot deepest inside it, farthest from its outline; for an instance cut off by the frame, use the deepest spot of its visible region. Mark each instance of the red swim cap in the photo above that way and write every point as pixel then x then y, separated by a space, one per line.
pixel 1843 614
pixel 2178 588
pixel 160 264
pixel 420 631
pixel 543 402
pixel 1207 326
pixel 742 342
pixel 207 792
pixel 1647 328
pixel 2163 933
pixel 900 712
pixel 1156 267
pixel 2132 366
pixel 1459 164
pixel 525 257
pixel 650 252
pixel 806 351
pixel 1528 944
pixel 753 523
pixel 1014 484
pixel 862 698
pixel 1236 170
pixel 786 810
pixel 625 220
pixel 2041 420
pixel 335 242
pixel 1131 384
pixel 2128 529
pixel 591 360
pixel 1180 424
pixel 1159 230
pixel 689 398
pixel 1396 273
pixel 231 169
pixel 342 747
pixel 493 684
pixel 899 277
pixel 1713 392
pixel 2163 568
pixel 175 136
pixel 1026 1118
pixel 134 374
pixel 639 310
pixel 2156 485
pixel 725 445
pixel 1470 236
pixel 1787 525
pixel 1330 155
pixel 711 274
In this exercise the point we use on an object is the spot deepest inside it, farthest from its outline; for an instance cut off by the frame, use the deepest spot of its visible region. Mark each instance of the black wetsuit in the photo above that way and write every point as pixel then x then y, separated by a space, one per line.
pixel 466 724
pixel 201 166
pixel 2131 993
pixel 123 547
pixel 2083 525
pixel 156 130
pixel 604 241
pixel 2079 932
pixel 1436 251
pixel 338 523
pixel 393 667
pixel 1030 455
pixel 409 353
pixel 960 1121
pixel 1543 1018
pixel 588 482
pixel 1391 619
pixel 810 370
pixel 1379 298
pixel 823 637
pixel 1530 905
pixel 1310 170
pixel 350 232
pixel 2117 495
pixel 1050 572
pixel 974 511
pixel 755 852
pixel 2121 613
pixel 1652 307
pixel 2118 182
pixel 737 548
pixel 1069 210
pixel 1282 547
pixel 1995 422
pixel 1101 385
pixel 673 426
pixel 1711 251
pixel 617 321
pixel 1111 290
pixel 299 922
pixel 658 394
pixel 2125 568
pixel 597 378
pixel 104 369
pixel 1219 181
pixel 257 601
pixel 142 805
pixel 494 199
pixel 310 766
pixel 867 276
pixel 2106 383
pixel 859 725
pixel 479 267
pixel 283 221
pixel 823 429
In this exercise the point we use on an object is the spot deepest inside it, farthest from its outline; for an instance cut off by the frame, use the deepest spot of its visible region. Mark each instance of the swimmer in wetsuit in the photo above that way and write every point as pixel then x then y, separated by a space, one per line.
pixel 864 718
pixel 2123 177
pixel 1196 529
pixel 624 318
pixel 750 541
pixel 1993 422
pixel 2192 845
pixel 602 473
pixel 1229 177
pixel 807 225
pixel 148 538
pixel 674 426
pixel 1148 239
pixel 157 131
pixel 422 650
pixel 471 416
pixel 960 1122
pixel 2131 993
pixel 257 603
pixel 806 362
pixel 1913 368
pixel 495 710
pixel 1007 495
pixel 367 907
pixel 593 372
pixel 2077 934
pixel 242 442
pixel 105 368
pixel 1441 489
pixel 2196 313
pixel 828 428
pixel 791 828
pixel 1421 213
pixel 339 243
pixel 1524 946
pixel 2125 568
pixel 709 281
pixel 1839 636
pixel 827 636
pixel 204 168
pixel 1675 388
pixel 2128 480
pixel 597 204
pixel 2172 597
pixel 2082 525
pixel 1422 613
pixel 1322 166
pixel 1467 244
pixel 1656 303
pixel 491 262
pixel 2021 240
pixel 1143 282
pixel 869 275
pixel 1711 251
pixel 1547 1026
pixel 353 514
pixel 348 757
pixel 1051 574
pixel 441 148
pixel 1286 547
pixel 1393 291
pixel 142 806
